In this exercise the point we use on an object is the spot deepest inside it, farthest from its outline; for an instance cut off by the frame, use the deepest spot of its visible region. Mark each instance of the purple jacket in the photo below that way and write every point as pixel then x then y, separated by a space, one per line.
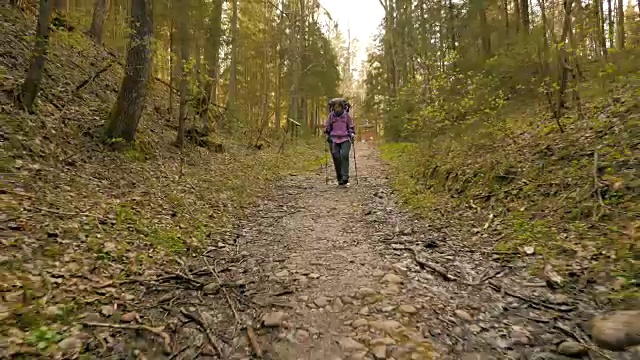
pixel 339 128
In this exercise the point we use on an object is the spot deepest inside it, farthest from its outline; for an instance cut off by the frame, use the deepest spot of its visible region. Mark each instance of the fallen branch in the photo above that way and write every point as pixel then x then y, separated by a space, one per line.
pixel 156 331
pixel 224 291
pixel 59 212
pixel 433 267
pixel 582 340
pixel 253 340
pixel 596 186
pixel 500 288
pixel 198 320
pixel 88 80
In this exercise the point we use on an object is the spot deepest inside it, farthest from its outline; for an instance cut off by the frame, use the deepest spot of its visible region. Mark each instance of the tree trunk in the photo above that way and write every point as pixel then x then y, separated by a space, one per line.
pixel 234 55
pixel 213 60
pixel 172 53
pixel 524 13
pixel 563 65
pixel 611 26
pixel 125 114
pixel 100 12
pixel 620 25
pixel 600 22
pixel 31 84
pixel 62 6
pixel 183 37
pixel 516 9
pixel 484 28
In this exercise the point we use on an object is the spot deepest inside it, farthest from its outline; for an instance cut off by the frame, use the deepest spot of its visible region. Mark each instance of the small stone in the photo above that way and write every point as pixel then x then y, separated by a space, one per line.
pixel 321 302
pixel 391 290
pixel 520 336
pixel 475 328
pixel 388 308
pixel 360 322
pixel 348 344
pixel 379 351
pixel 302 336
pixel 407 309
pixel 347 300
pixel 529 250
pixel 378 273
pixel 130 317
pixel 364 311
pixel 273 319
pixel 572 348
pixel 313 276
pixel 364 292
pixel 304 298
pixel 392 279
pixel 282 273
pixel 616 330
pixel 337 304
pixel 107 310
pixel 71 345
pixel 382 341
pixel 358 355
pixel 211 288
pixel 463 315
pixel 388 326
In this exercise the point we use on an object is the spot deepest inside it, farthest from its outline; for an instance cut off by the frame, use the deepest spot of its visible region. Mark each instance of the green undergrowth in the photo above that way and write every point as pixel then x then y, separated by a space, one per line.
pixel 572 196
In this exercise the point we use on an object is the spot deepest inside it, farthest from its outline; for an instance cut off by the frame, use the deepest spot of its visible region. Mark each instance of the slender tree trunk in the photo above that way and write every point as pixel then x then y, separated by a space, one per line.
pixel 62 6
pixel 100 12
pixel 172 53
pixel 611 27
pixel 31 84
pixel 525 15
pixel 234 56
pixel 213 56
pixel 484 28
pixel 621 37
pixel 563 63
pixel 183 37
pixel 602 41
pixel 125 114
pixel 516 9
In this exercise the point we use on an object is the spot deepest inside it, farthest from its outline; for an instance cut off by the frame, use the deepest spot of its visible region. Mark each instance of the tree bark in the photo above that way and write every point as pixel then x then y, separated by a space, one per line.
pixel 563 65
pixel 213 60
pixel 125 114
pixel 31 84
pixel 620 28
pixel 600 22
pixel 234 56
pixel 100 13
pixel 611 27
pixel 183 36
pixel 62 6
pixel 524 13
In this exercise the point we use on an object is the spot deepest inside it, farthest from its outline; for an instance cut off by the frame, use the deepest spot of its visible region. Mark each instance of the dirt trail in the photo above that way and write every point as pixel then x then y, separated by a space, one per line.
pixel 338 273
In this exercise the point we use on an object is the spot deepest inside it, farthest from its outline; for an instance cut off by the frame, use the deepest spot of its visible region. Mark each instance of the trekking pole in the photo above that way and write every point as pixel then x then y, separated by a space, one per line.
pixel 355 162
pixel 326 165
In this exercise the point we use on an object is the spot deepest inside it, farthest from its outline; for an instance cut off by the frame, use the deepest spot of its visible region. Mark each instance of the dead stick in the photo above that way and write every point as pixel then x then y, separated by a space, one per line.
pixel 224 291
pixel 253 340
pixel 156 331
pixel 198 320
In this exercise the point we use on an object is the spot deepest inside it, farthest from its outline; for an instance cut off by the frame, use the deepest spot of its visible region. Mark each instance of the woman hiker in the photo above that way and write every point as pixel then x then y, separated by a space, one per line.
pixel 340 133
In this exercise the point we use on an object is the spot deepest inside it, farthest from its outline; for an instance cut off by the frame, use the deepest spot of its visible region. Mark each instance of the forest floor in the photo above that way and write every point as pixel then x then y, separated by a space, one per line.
pixel 320 272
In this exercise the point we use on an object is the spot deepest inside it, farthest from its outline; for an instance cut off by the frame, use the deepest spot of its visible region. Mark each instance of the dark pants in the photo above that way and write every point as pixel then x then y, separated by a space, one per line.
pixel 340 153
